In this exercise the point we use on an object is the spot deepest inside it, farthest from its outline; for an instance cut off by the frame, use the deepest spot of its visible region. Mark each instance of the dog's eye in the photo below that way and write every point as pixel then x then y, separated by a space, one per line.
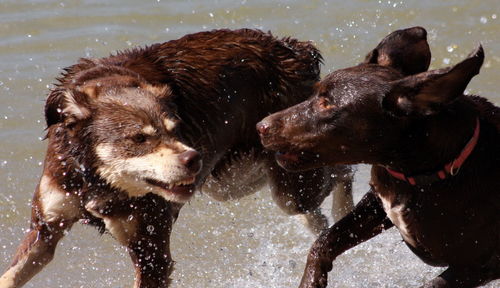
pixel 324 104
pixel 70 124
pixel 139 138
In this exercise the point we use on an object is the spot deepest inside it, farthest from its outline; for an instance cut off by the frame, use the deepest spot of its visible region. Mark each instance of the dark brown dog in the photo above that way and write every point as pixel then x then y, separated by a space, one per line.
pixel 435 155
pixel 133 135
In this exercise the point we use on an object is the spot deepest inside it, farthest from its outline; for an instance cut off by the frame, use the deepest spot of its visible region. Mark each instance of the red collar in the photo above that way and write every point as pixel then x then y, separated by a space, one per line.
pixel 451 168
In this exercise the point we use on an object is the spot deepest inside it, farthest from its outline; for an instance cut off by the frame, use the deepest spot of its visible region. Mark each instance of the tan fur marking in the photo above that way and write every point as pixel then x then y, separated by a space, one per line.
pixel 7 279
pixel 157 90
pixel 128 173
pixel 149 130
pixel 180 146
pixel 122 229
pixel 57 204
pixel 395 214
pixel 169 124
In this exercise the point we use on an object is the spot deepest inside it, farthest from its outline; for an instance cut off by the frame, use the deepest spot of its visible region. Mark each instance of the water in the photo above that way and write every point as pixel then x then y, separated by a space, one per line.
pixel 249 243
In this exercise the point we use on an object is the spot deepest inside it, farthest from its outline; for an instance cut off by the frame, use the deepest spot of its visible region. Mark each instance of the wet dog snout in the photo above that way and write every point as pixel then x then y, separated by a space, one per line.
pixel 191 160
pixel 263 128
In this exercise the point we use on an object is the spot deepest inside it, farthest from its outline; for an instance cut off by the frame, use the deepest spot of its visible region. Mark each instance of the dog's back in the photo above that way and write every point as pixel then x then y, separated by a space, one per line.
pixel 133 135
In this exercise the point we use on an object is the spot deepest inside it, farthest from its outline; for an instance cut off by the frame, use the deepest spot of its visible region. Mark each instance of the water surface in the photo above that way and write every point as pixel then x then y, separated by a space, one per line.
pixel 248 243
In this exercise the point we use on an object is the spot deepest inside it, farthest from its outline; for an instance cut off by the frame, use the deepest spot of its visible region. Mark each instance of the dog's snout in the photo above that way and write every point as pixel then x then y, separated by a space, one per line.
pixel 263 127
pixel 191 160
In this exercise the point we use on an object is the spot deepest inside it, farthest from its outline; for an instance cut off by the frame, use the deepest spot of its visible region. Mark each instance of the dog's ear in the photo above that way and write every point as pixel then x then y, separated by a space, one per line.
pixel 427 92
pixel 68 105
pixel 405 50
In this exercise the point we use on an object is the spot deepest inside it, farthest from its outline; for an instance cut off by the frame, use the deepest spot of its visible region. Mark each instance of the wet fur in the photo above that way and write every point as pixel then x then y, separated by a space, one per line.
pixel 392 113
pixel 127 130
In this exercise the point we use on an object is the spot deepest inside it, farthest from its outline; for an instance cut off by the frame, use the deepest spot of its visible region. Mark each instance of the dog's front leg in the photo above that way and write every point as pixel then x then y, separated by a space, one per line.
pixel 143 225
pixel 152 260
pixel 54 211
pixel 35 251
pixel 149 247
pixel 342 202
pixel 364 222
pixel 301 193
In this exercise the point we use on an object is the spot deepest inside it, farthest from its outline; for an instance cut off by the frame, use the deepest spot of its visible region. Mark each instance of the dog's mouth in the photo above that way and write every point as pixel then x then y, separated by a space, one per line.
pixel 183 188
pixel 288 156
pixel 294 160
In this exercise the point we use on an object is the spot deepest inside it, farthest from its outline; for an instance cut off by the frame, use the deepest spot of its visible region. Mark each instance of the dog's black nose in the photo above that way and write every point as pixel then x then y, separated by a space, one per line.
pixel 191 160
pixel 262 128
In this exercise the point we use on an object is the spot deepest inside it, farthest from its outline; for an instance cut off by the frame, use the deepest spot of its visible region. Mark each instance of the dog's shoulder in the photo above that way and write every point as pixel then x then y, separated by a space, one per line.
pixel 487 110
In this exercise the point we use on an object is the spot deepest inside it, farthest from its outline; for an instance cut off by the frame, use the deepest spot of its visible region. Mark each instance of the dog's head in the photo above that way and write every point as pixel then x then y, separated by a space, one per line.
pixel 126 132
pixel 358 114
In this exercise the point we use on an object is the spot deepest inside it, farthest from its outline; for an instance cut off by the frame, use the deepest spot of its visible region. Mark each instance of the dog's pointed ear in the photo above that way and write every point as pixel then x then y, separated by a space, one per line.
pixel 405 50
pixel 426 92
pixel 68 105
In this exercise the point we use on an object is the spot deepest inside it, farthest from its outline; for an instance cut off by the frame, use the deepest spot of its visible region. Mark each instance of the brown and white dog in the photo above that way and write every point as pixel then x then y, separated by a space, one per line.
pixel 434 150
pixel 134 135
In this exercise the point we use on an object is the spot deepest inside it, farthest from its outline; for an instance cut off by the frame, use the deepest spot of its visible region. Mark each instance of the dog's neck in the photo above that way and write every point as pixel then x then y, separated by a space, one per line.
pixel 436 142
pixel 65 165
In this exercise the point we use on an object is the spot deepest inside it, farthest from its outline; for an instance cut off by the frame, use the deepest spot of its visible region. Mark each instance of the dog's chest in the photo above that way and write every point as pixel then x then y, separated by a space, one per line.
pixel 399 214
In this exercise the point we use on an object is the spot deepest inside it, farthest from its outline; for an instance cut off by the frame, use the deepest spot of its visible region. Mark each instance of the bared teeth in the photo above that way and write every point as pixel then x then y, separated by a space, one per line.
pixel 169 186
pixel 183 187
pixel 184 182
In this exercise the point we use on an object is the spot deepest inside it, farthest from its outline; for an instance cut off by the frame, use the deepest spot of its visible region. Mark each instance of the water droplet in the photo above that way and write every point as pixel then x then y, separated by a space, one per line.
pixel 150 228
